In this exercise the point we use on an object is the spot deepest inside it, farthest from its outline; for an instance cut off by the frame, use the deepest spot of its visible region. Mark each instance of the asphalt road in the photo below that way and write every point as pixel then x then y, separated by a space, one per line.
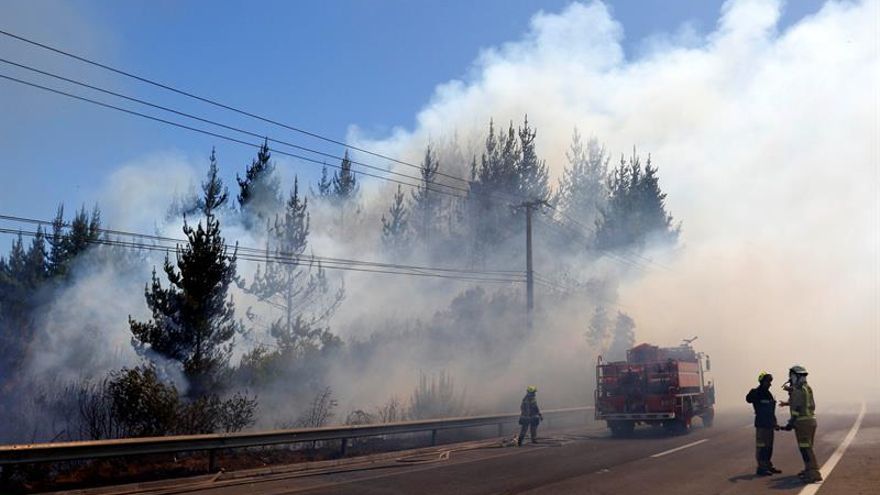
pixel 582 461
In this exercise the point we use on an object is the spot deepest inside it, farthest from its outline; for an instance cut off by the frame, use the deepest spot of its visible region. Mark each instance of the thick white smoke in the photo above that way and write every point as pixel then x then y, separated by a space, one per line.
pixel 767 146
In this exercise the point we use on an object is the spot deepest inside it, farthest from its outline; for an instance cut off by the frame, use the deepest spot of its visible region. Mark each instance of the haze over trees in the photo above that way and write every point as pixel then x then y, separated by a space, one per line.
pixel 225 347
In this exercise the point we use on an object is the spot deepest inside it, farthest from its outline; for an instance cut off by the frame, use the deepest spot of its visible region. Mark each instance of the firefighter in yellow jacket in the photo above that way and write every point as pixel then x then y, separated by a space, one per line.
pixel 803 420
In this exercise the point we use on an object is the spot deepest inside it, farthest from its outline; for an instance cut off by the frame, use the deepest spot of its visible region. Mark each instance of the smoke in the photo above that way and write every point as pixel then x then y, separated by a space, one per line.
pixel 767 145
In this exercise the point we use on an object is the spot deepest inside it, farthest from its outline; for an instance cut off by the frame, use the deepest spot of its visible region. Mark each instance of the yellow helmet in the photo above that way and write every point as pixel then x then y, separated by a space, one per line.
pixel 762 375
pixel 531 389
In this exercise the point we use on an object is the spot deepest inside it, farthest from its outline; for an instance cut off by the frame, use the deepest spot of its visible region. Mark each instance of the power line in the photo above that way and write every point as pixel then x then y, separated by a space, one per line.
pixel 258 254
pixel 226 126
pixel 567 229
pixel 257 146
pixel 565 215
pixel 427 184
pixel 627 251
pixel 208 133
pixel 561 287
pixel 260 259
pixel 252 115
pixel 213 102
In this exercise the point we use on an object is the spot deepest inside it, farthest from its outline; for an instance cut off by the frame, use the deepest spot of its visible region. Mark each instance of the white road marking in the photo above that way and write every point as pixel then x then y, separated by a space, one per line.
pixel 835 457
pixel 698 442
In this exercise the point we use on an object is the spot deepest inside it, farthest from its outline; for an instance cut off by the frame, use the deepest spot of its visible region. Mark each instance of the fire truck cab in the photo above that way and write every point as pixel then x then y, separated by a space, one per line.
pixel 659 386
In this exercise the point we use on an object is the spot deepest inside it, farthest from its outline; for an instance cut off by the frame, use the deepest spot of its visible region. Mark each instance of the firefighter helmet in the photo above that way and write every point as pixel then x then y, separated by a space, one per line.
pixel 531 389
pixel 764 375
pixel 798 370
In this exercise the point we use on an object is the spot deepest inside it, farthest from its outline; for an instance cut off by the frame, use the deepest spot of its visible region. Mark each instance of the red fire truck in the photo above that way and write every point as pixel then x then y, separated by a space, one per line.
pixel 659 386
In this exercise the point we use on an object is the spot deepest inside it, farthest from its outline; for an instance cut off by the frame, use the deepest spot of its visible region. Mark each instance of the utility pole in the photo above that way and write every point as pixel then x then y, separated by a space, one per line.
pixel 530 274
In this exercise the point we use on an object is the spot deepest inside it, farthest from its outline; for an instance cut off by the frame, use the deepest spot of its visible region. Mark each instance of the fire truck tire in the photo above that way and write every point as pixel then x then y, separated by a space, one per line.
pixel 677 426
pixel 708 418
pixel 621 428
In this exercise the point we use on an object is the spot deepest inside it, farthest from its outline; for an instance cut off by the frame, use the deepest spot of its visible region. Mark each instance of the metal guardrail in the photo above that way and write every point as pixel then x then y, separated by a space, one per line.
pixel 70 451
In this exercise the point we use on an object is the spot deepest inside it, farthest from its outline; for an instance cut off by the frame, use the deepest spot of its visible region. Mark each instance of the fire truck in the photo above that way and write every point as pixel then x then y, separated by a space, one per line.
pixel 659 386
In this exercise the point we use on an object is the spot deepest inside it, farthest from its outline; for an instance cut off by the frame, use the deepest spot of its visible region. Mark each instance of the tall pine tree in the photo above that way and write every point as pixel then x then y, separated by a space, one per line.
pixel 22 276
pixel 296 289
pixel 325 185
pixel 395 227
pixel 193 319
pixel 532 174
pixel 636 210
pixel 425 204
pixel 68 241
pixel 345 183
pixel 496 177
pixel 582 193
pixel 260 190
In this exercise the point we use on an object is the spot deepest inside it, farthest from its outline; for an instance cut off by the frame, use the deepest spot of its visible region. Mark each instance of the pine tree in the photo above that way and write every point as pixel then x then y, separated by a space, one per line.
pixel 395 227
pixel 84 230
pixel 58 254
pixel 622 337
pixel 193 319
pixel 259 192
pixel 656 222
pixel 298 290
pixel 597 331
pixel 22 275
pixel 345 183
pixel 325 186
pixel 425 202
pixel 582 194
pixel 37 261
pixel 14 309
pixel 496 177
pixel 533 176
pixel 636 212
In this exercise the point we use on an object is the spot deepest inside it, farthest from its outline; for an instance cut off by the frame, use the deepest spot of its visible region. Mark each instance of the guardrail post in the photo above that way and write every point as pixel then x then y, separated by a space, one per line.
pixel 212 460
pixel 433 437
pixel 343 447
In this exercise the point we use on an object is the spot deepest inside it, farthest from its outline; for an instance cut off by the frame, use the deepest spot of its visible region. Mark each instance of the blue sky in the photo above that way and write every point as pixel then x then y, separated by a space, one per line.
pixel 321 65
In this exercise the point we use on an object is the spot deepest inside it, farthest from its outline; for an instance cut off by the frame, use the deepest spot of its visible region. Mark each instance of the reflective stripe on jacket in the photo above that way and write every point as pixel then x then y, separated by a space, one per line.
pixel 801 403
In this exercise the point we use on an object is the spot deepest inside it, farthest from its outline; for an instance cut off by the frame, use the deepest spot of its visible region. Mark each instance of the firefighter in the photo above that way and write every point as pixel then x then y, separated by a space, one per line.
pixel 765 423
pixel 803 420
pixel 529 416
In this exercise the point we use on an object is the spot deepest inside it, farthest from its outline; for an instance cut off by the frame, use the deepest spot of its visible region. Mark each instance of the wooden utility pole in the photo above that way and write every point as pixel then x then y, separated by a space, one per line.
pixel 530 274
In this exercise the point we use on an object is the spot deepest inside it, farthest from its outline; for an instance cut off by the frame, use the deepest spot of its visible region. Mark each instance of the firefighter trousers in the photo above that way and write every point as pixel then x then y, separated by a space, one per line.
pixel 764 447
pixel 530 425
pixel 805 431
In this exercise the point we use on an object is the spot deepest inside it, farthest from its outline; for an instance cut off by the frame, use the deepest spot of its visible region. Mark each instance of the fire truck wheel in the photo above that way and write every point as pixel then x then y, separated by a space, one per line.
pixel 621 428
pixel 677 426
